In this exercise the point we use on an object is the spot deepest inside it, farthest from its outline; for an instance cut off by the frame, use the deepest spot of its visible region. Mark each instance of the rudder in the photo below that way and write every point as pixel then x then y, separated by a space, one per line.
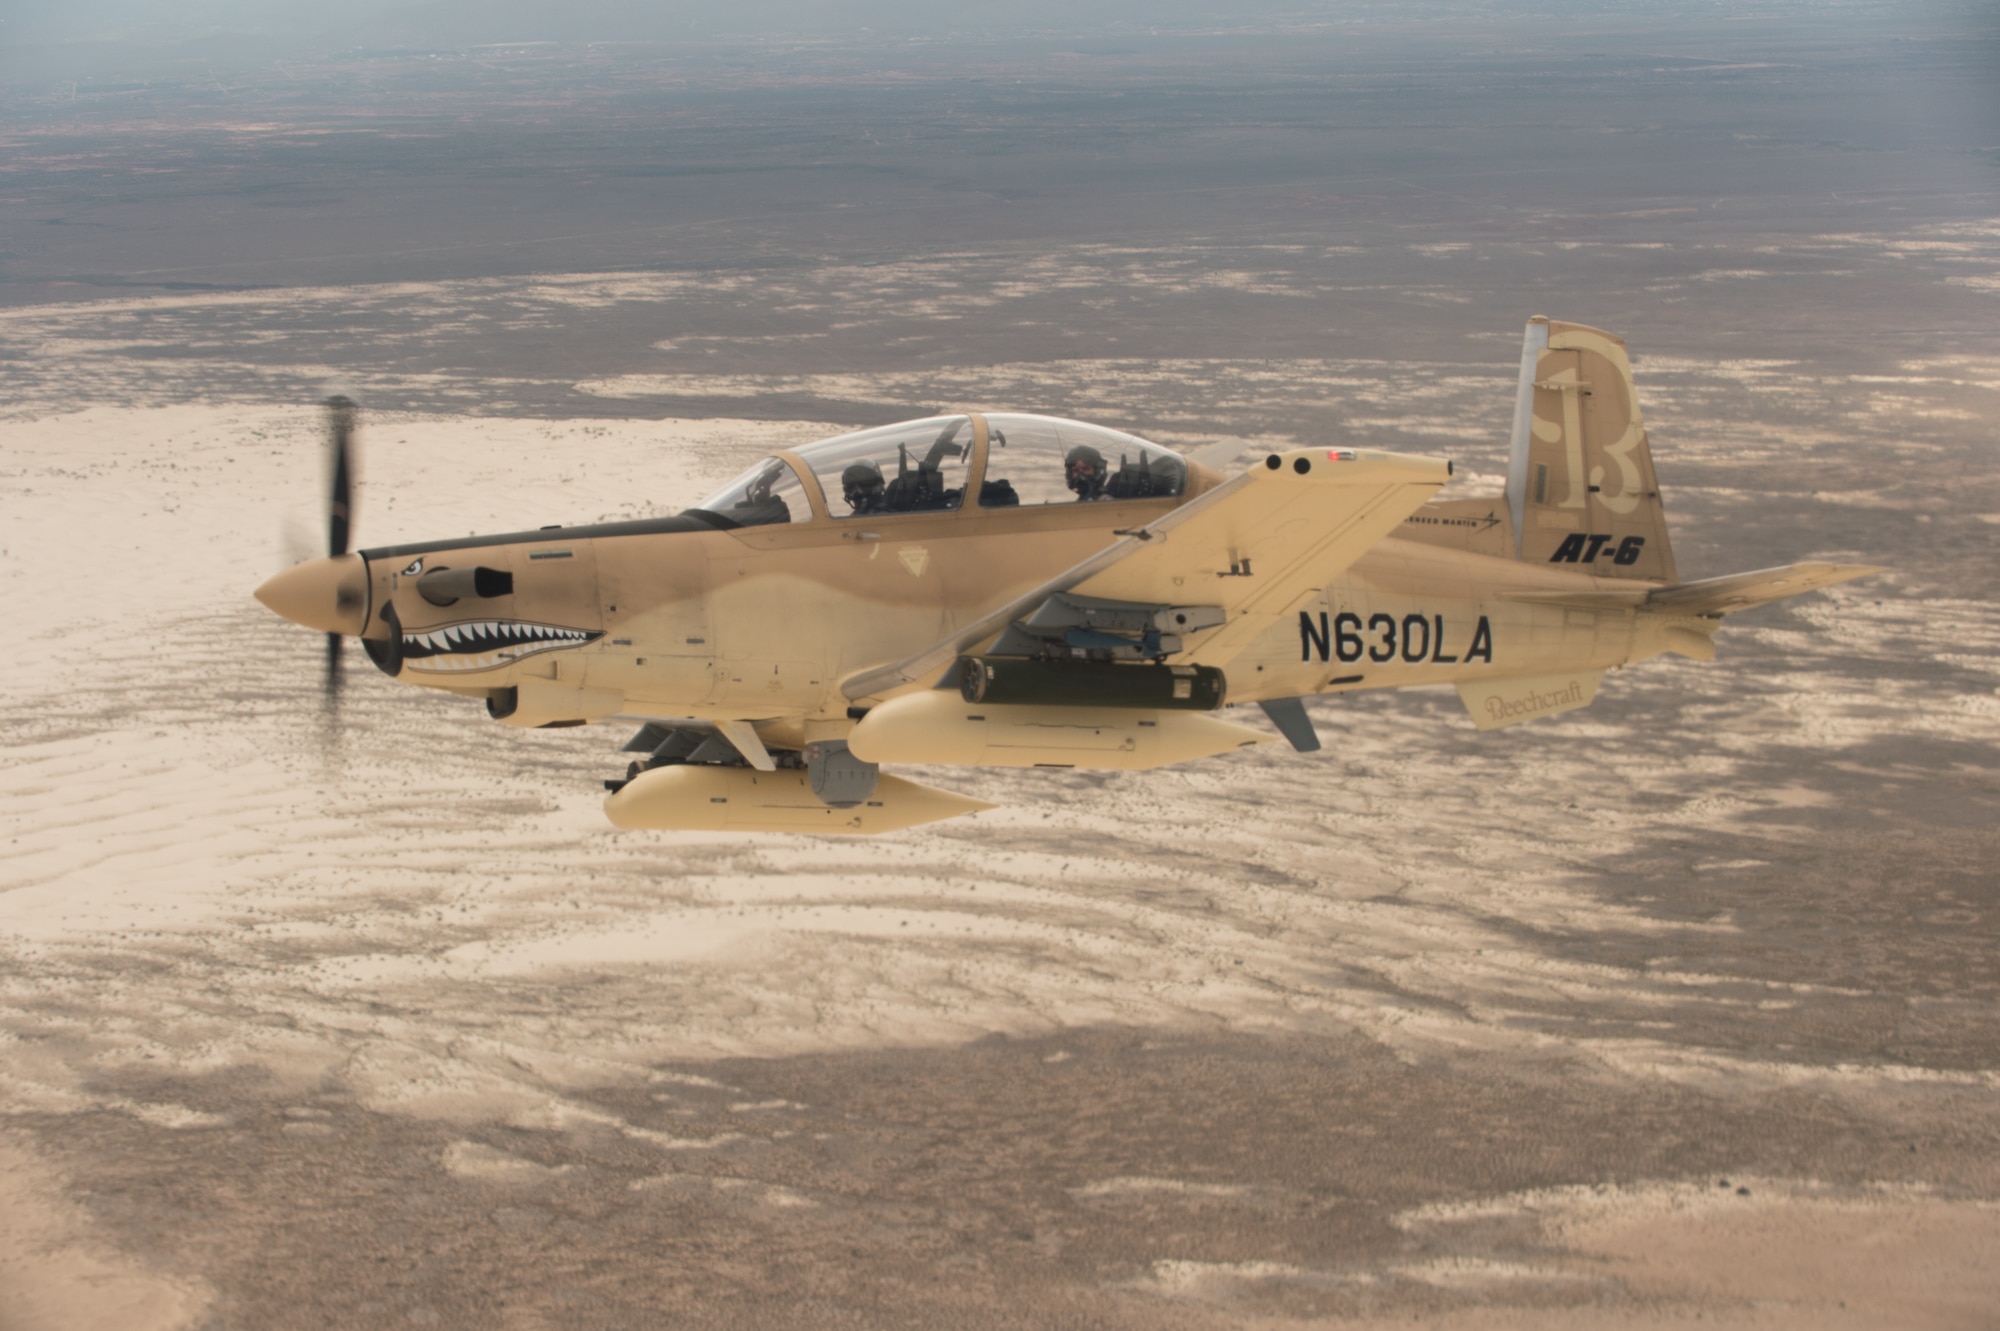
pixel 1580 481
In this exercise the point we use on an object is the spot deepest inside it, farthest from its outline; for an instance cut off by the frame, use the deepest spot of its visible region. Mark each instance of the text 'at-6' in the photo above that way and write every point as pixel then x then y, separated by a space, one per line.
pixel 1584 548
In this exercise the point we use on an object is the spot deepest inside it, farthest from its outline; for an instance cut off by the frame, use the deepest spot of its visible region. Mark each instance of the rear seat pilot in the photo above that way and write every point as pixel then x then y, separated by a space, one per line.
pixel 1083 470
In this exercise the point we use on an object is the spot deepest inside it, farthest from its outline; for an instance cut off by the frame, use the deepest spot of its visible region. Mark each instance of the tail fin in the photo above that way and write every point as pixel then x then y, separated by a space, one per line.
pixel 1580 484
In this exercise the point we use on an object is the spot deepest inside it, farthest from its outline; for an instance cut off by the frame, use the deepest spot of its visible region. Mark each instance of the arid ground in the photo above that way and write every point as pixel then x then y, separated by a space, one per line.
pixel 1679 1009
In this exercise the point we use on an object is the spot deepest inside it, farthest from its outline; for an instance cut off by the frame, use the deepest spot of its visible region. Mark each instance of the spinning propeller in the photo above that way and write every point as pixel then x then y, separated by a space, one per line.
pixel 339 509
pixel 331 594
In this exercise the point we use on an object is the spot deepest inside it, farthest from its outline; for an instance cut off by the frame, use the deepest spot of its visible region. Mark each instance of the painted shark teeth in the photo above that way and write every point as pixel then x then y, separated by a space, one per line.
pixel 483 644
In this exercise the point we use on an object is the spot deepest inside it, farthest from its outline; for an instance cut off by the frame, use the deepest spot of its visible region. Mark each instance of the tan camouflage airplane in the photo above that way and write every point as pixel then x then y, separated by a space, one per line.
pixel 1022 591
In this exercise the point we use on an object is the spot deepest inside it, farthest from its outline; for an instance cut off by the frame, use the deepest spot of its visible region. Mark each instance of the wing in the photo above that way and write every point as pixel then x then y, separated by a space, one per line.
pixel 1245 550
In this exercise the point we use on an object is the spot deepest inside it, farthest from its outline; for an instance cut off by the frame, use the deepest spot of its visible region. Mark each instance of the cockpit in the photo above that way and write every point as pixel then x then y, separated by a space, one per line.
pixel 942 463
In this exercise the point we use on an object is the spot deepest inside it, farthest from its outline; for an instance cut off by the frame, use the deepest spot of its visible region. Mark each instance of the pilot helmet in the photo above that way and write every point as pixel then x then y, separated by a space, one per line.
pixel 1083 469
pixel 862 483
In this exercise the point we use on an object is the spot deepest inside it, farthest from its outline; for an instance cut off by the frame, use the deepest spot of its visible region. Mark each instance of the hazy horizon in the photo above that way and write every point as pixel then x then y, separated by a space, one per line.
pixel 101 36
pixel 357 1013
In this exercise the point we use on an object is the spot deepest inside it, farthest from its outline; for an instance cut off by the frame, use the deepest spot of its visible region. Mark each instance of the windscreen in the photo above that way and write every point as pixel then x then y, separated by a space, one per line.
pixel 767 494
pixel 914 467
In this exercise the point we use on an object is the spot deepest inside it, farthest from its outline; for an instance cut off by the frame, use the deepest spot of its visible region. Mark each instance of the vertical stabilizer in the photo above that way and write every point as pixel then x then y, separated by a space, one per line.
pixel 1580 481
pixel 1533 343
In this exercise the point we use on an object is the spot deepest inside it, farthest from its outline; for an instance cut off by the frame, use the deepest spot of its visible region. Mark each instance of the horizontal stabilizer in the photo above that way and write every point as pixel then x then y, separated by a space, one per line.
pixel 1741 591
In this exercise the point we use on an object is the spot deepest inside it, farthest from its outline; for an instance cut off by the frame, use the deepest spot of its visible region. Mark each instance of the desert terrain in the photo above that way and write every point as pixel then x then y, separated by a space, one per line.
pixel 355 1012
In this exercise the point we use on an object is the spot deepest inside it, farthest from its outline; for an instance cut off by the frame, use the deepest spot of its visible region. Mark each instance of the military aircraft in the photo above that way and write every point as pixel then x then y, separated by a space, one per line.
pixel 1013 590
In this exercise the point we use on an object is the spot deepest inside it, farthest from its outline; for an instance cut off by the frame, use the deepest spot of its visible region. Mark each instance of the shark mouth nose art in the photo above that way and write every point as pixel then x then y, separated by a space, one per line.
pixel 482 644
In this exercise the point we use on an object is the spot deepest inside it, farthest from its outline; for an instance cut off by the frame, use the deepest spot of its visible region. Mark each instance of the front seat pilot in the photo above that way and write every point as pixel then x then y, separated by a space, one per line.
pixel 862 483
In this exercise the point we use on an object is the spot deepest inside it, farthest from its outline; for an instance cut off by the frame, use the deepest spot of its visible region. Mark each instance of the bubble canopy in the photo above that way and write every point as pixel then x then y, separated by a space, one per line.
pixel 927 466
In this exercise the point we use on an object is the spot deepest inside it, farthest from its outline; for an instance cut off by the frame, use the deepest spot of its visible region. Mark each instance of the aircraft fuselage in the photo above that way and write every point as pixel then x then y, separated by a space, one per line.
pixel 763 623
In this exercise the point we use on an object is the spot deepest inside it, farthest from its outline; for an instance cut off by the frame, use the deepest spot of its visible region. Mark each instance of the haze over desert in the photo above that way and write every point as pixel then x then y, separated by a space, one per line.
pixel 1676 1009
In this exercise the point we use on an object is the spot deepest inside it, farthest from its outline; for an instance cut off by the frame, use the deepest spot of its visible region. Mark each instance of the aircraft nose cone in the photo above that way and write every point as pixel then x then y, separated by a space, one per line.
pixel 330 595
